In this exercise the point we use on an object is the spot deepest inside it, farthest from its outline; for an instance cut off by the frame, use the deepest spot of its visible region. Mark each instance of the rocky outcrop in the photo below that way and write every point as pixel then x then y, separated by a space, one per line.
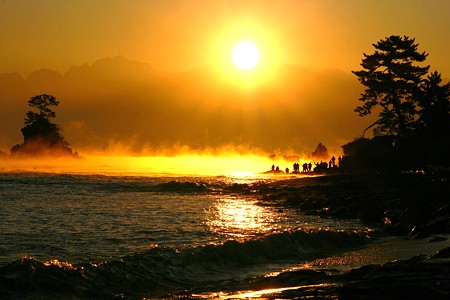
pixel 42 138
pixel 413 204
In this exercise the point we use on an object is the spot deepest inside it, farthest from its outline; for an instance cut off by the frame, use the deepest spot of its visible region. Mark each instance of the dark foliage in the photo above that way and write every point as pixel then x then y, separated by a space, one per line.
pixel 433 128
pixel 434 106
pixel 392 82
pixel 42 103
pixel 415 110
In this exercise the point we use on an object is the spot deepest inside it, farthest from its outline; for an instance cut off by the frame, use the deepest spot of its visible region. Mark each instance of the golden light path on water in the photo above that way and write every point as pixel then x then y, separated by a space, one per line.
pixel 230 216
pixel 239 218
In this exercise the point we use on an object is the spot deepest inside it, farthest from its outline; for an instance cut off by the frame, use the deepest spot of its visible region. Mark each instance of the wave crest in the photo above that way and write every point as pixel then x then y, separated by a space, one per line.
pixel 159 271
pixel 181 187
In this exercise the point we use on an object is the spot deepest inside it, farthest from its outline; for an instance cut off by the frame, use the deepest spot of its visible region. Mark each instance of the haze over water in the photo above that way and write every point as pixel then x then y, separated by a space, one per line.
pixel 159 76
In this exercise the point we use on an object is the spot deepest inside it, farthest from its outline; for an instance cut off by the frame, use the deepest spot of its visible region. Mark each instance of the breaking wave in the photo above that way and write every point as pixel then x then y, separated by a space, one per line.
pixel 161 271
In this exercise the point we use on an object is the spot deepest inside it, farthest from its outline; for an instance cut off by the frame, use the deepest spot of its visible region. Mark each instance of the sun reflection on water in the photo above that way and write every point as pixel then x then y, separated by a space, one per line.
pixel 240 218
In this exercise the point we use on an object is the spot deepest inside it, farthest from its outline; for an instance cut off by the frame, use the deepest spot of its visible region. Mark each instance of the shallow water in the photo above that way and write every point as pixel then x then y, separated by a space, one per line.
pixel 151 236
pixel 83 218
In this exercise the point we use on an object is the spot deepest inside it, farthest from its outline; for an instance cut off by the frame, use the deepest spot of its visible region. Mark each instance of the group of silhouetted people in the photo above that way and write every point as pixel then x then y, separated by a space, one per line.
pixel 307 167
pixel 323 166
pixel 332 162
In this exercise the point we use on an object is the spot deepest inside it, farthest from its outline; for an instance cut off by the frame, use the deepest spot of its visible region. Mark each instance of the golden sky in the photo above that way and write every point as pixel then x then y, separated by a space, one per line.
pixel 178 35
pixel 153 75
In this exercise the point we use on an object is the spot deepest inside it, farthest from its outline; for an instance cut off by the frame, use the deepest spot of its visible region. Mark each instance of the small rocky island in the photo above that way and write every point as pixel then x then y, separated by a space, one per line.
pixel 41 136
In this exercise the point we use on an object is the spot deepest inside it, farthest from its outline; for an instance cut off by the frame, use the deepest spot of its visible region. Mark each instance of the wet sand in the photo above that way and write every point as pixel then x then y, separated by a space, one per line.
pixel 385 269
pixel 381 251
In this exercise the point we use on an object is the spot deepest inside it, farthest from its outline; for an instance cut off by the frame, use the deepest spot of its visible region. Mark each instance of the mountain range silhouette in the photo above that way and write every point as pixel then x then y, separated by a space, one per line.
pixel 120 102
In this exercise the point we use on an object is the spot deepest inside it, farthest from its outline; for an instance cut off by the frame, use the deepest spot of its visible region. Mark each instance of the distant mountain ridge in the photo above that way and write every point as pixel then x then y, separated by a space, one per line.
pixel 116 102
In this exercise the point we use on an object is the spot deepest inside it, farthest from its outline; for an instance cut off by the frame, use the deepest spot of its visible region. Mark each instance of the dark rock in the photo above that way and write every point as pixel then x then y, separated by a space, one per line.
pixel 437 239
pixel 411 216
pixel 440 224
pixel 343 213
pixel 442 253
pixel 358 273
pixel 392 216
pixel 443 209
pixel 418 232
pixel 370 216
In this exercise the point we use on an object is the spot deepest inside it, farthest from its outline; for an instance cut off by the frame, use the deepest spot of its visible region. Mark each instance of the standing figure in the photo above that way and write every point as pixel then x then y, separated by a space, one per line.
pixel 333 162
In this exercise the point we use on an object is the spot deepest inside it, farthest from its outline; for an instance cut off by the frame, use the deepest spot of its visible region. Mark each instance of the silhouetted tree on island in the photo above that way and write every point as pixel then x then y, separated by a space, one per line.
pixel 41 135
pixel 413 128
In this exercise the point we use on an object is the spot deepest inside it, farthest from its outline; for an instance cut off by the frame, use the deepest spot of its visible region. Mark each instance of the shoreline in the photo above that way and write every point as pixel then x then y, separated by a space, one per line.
pixel 415 205
pixel 413 217
pixel 419 277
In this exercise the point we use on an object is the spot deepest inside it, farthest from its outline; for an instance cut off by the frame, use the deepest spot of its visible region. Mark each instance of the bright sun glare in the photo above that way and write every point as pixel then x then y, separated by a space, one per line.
pixel 245 55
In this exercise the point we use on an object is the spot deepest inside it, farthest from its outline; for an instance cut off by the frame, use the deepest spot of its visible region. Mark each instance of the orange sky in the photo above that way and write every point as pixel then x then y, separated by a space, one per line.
pixel 178 35
pixel 159 73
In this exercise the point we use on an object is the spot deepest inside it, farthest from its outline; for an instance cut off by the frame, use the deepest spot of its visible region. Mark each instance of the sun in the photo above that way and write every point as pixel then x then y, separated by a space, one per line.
pixel 245 55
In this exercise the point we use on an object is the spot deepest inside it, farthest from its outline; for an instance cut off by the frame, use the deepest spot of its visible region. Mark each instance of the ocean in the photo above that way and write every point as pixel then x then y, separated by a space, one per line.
pixel 88 236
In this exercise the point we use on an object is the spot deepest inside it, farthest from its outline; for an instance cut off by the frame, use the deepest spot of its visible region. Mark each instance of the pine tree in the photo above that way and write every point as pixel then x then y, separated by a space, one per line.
pixel 392 82
pixel 434 106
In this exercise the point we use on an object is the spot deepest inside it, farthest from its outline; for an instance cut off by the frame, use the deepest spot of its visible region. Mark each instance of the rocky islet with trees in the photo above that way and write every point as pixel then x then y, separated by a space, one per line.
pixel 41 136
